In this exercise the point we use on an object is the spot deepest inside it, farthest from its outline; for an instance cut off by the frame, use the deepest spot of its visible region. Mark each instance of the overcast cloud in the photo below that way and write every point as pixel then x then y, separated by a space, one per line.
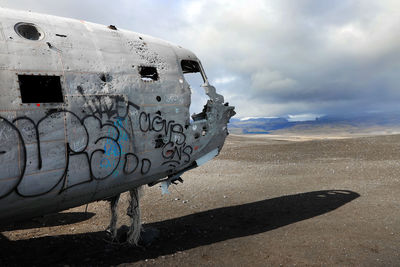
pixel 271 58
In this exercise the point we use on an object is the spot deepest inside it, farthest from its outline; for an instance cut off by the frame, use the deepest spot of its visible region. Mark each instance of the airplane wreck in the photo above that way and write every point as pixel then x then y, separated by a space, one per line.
pixel 90 111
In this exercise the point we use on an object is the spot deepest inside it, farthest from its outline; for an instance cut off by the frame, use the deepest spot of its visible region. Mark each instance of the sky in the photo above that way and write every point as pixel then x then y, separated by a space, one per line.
pixel 271 58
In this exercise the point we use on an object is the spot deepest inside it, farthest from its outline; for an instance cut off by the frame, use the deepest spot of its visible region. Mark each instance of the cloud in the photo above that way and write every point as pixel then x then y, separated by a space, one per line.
pixel 303 117
pixel 265 80
pixel 224 80
pixel 271 58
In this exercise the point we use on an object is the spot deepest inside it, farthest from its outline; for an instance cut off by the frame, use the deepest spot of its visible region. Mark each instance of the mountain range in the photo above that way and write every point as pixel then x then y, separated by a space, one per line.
pixel 352 124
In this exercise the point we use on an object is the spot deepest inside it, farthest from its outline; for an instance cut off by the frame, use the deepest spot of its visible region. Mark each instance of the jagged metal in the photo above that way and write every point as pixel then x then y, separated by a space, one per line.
pixel 134 214
pixel 112 228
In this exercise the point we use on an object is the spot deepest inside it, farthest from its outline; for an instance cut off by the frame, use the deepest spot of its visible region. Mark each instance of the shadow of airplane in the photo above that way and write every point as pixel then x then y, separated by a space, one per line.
pixel 55 219
pixel 177 234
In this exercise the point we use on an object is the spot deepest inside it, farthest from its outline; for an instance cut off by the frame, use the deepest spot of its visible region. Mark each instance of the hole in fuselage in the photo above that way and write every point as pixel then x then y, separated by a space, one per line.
pixel 159 141
pixel 204 132
pixel 28 31
pixel 148 74
pixel 195 78
pixel 40 89
pixel 105 77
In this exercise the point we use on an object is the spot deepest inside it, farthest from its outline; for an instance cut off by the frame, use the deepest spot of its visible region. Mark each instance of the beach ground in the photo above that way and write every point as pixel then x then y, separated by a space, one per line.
pixel 265 200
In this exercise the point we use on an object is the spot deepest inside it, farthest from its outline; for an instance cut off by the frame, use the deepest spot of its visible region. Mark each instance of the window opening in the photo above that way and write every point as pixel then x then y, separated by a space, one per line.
pixel 148 74
pixel 28 31
pixel 195 78
pixel 40 89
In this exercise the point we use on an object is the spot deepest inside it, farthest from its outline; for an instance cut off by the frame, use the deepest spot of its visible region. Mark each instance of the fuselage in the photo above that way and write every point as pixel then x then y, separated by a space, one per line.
pixel 89 111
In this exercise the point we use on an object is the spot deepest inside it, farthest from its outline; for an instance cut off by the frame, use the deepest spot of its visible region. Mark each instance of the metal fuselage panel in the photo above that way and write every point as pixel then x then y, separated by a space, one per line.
pixel 113 130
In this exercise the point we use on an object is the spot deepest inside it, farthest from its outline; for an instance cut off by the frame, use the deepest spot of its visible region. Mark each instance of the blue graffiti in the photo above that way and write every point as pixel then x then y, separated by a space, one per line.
pixel 111 148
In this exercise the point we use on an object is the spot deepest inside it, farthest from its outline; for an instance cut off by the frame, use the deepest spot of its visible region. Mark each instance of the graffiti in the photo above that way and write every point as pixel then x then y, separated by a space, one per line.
pixel 174 149
pixel 124 142
pixel 113 150
pixel 174 154
pixel 70 152
pixel 8 188
pixel 37 138
pixel 80 149
pixel 174 131
pixel 104 150
pixel 112 106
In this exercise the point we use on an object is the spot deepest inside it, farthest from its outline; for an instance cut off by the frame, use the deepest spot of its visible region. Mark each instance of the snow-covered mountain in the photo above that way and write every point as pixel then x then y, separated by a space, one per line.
pixel 352 123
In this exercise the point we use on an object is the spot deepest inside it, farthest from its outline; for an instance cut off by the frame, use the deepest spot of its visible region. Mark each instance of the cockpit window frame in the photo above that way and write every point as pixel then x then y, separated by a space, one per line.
pixel 198 68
